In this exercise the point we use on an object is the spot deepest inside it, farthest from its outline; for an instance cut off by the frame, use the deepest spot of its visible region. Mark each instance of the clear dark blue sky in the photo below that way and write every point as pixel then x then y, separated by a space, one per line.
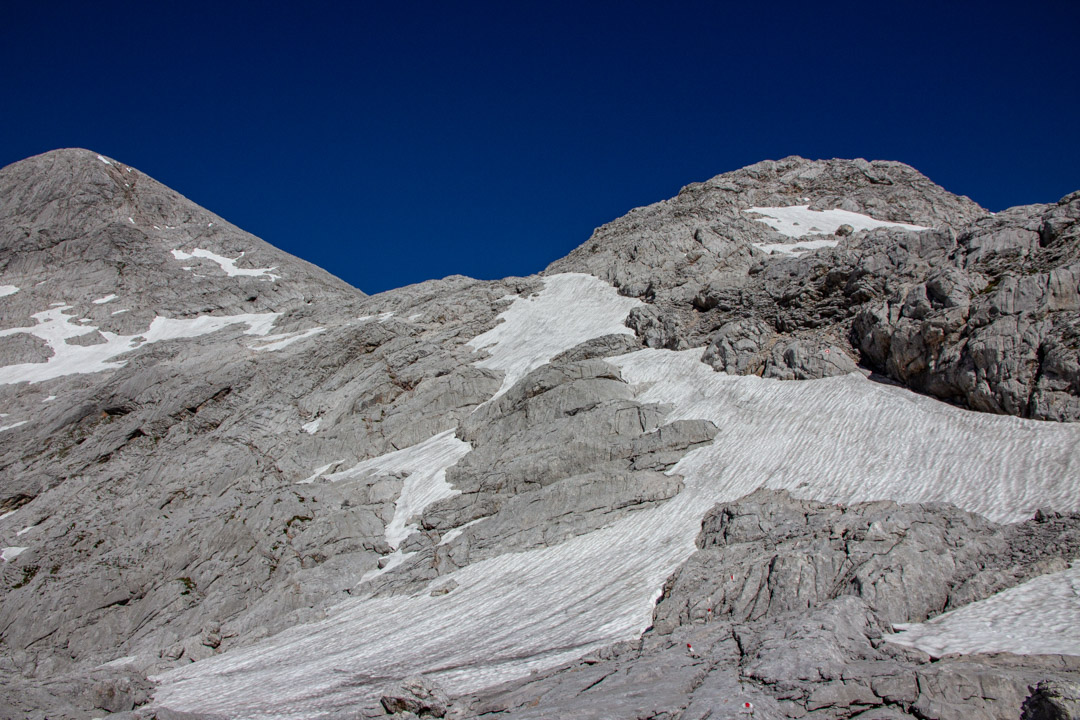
pixel 394 142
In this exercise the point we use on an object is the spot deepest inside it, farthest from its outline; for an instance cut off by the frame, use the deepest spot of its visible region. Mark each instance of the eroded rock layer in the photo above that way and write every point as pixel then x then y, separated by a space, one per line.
pixel 659 479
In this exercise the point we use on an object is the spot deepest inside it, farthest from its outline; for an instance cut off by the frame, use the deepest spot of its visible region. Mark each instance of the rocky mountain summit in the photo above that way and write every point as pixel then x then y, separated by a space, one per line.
pixel 982 311
pixel 700 467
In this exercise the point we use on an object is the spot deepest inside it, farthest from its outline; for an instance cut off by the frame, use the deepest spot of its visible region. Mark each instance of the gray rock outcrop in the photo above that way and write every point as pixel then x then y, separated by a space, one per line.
pixel 196 435
pixel 981 310
pixel 787 605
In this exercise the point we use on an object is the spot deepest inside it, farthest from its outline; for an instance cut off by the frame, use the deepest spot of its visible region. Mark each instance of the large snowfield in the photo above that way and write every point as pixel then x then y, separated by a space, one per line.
pixel 844 439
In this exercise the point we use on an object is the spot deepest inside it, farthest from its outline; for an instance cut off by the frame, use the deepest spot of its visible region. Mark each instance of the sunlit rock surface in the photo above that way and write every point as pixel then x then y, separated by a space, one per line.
pixel 682 470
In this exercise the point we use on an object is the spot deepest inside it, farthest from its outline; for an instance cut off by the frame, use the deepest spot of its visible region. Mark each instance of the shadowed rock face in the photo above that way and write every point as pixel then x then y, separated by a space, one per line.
pixel 205 441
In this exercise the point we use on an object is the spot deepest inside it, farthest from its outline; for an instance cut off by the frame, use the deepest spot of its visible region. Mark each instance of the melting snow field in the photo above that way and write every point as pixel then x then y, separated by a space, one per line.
pixel 228 265
pixel 572 308
pixel 799 221
pixel 1039 617
pixel 55 328
pixel 839 439
pixel 8 290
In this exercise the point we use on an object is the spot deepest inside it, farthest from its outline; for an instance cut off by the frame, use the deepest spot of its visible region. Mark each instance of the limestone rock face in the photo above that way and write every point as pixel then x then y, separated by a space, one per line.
pixel 232 486
pixel 788 605
pixel 418 696
pixel 976 309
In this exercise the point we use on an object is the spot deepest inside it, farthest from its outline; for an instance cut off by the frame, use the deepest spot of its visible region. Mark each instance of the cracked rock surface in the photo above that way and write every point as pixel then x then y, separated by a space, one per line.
pixel 207 444
pixel 788 605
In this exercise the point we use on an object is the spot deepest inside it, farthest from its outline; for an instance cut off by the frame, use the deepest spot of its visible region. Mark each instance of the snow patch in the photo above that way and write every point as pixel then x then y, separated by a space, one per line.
pixel 799 221
pixel 277 342
pixel 13 425
pixel 452 533
pixel 319 472
pixel 572 308
pixel 381 317
pixel 54 327
pixel 822 440
pixel 312 427
pixel 10 553
pixel 426 465
pixel 103 300
pixel 102 159
pixel 1039 617
pixel 389 562
pixel 228 265
pixel 6 290
pixel 119 312
pixel 795 248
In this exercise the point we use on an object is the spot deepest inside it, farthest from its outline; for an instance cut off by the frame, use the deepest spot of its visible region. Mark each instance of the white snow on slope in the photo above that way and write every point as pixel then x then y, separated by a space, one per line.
pixel 6 290
pixel 848 439
pixel 312 427
pixel 843 439
pixel 277 342
pixel 103 300
pixel 799 221
pixel 318 472
pixel 54 327
pixel 381 317
pixel 10 553
pixel 228 265
pixel 426 465
pixel 572 308
pixel 1041 616
pixel 13 425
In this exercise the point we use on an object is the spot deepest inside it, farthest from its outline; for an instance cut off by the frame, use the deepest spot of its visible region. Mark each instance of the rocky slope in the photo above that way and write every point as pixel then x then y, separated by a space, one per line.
pixel 983 311
pixel 233 486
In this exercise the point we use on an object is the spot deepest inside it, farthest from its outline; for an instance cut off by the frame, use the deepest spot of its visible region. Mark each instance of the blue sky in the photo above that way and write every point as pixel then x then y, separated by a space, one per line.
pixel 396 142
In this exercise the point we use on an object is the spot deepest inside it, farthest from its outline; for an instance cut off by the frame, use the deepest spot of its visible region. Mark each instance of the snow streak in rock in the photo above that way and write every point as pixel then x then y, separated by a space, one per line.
pixel 10 553
pixel 426 465
pixel 799 221
pixel 277 342
pixel 228 265
pixel 572 308
pixel 795 248
pixel 1039 617
pixel 55 328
